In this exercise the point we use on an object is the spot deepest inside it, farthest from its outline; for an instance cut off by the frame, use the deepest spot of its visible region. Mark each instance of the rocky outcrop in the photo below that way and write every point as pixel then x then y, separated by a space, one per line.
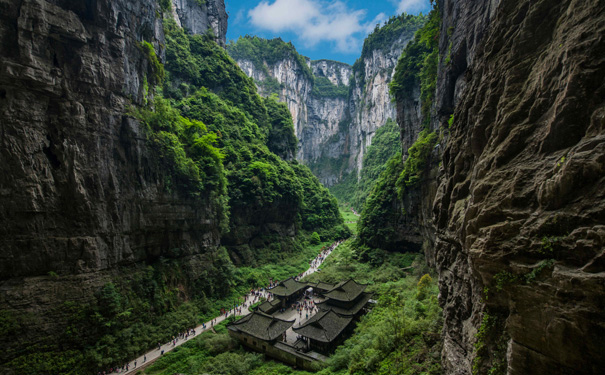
pixel 518 213
pixel 197 16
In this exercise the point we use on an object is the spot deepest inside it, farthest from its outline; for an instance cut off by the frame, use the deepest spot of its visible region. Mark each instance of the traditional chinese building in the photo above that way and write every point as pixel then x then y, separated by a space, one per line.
pixel 325 330
pixel 347 298
pixel 288 291
pixel 258 330
pixel 321 333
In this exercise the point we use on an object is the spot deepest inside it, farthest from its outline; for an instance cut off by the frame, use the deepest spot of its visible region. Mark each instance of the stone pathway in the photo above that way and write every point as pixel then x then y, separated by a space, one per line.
pixel 156 353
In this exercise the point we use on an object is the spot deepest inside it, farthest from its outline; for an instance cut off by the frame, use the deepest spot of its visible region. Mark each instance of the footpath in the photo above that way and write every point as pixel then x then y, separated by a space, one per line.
pixel 148 358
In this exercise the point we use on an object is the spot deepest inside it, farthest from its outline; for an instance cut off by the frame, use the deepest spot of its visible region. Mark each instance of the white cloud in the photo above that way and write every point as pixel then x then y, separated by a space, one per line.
pixel 315 21
pixel 411 6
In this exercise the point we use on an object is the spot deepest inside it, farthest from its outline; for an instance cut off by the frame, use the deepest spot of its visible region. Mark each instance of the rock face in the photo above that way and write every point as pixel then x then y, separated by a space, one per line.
pixel 197 16
pixel 334 131
pixel 517 218
pixel 370 102
pixel 80 191
pixel 78 182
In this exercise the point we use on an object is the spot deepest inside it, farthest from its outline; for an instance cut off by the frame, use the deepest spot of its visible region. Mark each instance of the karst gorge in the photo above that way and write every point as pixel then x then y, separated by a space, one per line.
pixel 175 203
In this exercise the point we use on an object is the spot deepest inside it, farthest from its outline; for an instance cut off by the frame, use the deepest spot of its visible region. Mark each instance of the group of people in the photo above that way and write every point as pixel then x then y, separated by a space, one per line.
pixel 318 260
pixel 123 368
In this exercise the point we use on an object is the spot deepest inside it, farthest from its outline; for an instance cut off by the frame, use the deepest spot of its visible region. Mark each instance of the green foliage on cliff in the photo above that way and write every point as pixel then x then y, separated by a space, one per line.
pixel 281 140
pixel 384 145
pixel 382 211
pixel 416 160
pixel 382 38
pixel 417 66
pixel 208 86
pixel 323 87
pixel 270 51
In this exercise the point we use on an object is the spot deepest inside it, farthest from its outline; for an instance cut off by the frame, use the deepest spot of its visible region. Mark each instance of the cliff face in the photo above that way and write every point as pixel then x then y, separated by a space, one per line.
pixel 198 16
pixel 334 125
pixel 81 190
pixel 78 183
pixel 370 101
pixel 518 213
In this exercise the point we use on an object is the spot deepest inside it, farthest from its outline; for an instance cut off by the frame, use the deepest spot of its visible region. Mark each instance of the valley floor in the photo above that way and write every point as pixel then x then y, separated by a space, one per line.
pixel 401 335
pixel 148 358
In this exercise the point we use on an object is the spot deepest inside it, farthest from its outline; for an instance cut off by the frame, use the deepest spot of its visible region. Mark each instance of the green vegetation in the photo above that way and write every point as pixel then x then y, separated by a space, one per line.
pixel 323 87
pixel 281 140
pixel 345 190
pixel 384 145
pixel 383 212
pixel 415 163
pixel 266 51
pixel 156 69
pixel 504 278
pixel 270 86
pixel 401 335
pixel 417 66
pixel 349 217
pixel 382 38
pixel 492 335
pixel 378 223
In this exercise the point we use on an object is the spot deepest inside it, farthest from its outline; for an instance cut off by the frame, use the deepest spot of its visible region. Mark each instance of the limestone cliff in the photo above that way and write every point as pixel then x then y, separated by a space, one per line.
pixel 511 211
pixel 198 17
pixel 335 119
pixel 81 191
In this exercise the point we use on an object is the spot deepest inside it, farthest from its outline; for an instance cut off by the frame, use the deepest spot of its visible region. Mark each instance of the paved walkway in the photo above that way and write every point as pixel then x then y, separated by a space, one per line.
pixel 150 357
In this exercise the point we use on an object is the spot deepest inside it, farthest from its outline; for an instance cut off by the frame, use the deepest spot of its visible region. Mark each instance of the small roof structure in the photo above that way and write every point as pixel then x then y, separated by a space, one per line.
pixel 268 305
pixel 325 326
pixel 346 291
pixel 353 310
pixel 288 287
pixel 262 326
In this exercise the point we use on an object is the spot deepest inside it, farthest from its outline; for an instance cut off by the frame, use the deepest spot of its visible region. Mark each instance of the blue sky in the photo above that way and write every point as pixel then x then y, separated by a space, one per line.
pixel 319 29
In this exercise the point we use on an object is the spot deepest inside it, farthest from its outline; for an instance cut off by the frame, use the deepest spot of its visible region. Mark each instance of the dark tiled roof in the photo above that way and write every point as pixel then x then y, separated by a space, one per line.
pixel 346 291
pixel 288 287
pixel 324 286
pixel 353 310
pixel 324 326
pixel 268 306
pixel 261 326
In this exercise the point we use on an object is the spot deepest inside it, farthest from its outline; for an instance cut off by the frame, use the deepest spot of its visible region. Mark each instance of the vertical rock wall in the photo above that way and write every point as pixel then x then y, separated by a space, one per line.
pixel 518 213
pixel 80 192
pixel 198 16
pixel 334 132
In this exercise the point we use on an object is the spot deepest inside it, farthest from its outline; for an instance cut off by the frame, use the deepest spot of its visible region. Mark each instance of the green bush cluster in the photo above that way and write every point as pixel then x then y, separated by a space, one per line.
pixel 490 346
pixel 156 68
pixel 281 140
pixel 415 163
pixel 417 66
